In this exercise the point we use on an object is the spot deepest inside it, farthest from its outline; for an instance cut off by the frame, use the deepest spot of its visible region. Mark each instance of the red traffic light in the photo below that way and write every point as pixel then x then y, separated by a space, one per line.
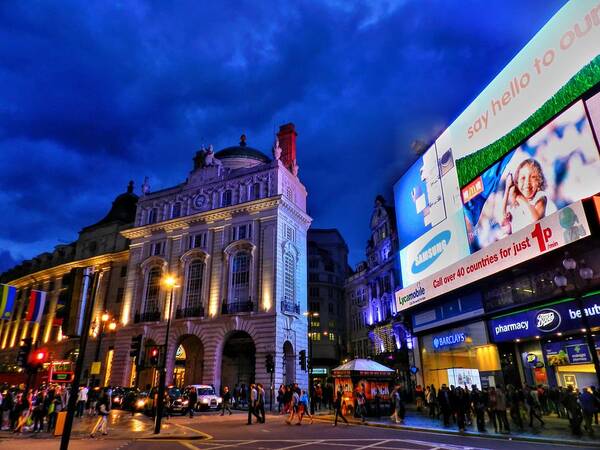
pixel 38 357
pixel 154 352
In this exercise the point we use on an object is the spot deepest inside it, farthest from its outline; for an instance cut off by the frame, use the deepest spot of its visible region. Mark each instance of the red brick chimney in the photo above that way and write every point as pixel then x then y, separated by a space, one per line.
pixel 287 141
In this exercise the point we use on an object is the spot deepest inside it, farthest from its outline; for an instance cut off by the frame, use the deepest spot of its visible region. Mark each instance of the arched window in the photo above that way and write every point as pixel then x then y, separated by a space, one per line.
pixel 194 284
pixel 152 290
pixel 255 192
pixel 289 278
pixel 226 198
pixel 240 277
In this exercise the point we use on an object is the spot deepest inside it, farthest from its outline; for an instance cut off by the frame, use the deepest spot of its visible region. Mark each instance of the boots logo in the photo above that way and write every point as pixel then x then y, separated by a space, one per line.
pixel 431 251
pixel 547 320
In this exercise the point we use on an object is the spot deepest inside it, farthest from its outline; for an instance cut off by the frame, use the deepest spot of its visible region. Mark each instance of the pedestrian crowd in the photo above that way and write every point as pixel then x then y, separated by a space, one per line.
pixel 509 408
pixel 36 410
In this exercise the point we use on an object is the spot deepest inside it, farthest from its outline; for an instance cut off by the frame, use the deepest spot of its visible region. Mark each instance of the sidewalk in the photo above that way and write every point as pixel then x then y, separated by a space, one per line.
pixel 555 430
pixel 121 426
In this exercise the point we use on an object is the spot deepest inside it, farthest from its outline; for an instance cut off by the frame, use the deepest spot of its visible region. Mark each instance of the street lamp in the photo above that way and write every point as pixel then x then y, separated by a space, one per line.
pixel 170 282
pixel 585 274
pixel 112 326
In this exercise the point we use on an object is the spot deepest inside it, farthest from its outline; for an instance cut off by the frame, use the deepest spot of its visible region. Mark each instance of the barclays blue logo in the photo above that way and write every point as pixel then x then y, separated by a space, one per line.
pixel 431 252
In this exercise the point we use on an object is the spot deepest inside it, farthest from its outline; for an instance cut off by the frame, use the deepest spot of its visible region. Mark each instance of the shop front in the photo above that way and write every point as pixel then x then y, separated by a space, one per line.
pixel 460 356
pixel 547 343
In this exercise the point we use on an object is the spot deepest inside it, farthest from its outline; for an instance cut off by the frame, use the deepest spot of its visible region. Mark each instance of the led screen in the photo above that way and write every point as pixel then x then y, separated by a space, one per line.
pixel 555 167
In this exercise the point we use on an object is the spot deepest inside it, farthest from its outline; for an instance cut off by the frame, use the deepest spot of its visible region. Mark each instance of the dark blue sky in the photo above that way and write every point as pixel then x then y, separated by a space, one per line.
pixel 93 94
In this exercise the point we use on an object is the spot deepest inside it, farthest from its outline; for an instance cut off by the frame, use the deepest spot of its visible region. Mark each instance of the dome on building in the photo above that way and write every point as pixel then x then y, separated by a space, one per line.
pixel 241 155
pixel 122 210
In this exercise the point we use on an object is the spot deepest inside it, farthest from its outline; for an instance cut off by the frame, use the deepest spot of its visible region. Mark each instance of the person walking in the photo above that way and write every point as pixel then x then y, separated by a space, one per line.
pixel 361 401
pixel 103 410
pixel 226 405
pixel 260 403
pixel 337 403
pixel 478 400
pixel 294 405
pixel 588 407
pixel 252 402
pixel 82 398
pixel 501 405
pixel 533 405
pixel 192 400
pixel 445 400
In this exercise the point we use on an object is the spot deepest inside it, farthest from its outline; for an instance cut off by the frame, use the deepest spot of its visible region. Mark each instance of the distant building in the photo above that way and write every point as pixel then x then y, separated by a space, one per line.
pixel 327 272
pixel 66 275
pixel 234 235
pixel 374 330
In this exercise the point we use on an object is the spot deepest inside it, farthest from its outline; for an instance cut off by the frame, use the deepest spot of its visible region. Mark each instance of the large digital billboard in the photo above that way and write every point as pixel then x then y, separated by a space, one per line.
pixel 522 150
pixel 555 167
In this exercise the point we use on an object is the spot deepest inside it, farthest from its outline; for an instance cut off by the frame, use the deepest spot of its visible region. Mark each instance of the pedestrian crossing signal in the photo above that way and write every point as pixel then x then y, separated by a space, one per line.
pixel 303 360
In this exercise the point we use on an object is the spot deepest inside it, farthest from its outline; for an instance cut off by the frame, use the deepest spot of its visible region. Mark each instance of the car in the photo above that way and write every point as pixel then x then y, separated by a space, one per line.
pixel 207 397
pixel 140 402
pixel 124 397
pixel 179 403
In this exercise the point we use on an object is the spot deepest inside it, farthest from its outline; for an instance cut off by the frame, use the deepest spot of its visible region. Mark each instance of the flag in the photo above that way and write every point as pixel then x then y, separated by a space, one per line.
pixel 37 300
pixel 7 300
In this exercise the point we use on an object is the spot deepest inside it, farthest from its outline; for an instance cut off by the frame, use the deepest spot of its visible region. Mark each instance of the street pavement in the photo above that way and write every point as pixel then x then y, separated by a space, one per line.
pixel 210 431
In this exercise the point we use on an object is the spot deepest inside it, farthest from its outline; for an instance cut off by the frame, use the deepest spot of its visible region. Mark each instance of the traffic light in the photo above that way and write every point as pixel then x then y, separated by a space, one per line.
pixel 23 354
pixel 153 359
pixel 269 363
pixel 38 358
pixel 136 346
pixel 303 360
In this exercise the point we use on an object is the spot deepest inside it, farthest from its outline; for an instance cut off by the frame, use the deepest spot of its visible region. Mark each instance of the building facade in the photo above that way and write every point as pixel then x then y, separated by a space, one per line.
pixel 65 276
pixel 234 236
pixel 374 329
pixel 327 272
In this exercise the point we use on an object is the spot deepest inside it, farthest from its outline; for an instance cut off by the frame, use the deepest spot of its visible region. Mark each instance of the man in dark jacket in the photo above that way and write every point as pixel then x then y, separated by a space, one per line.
pixel 445 400
pixel 192 400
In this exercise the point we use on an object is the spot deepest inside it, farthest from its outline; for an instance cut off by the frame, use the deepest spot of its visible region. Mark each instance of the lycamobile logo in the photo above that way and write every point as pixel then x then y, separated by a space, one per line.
pixel 431 251
pixel 418 292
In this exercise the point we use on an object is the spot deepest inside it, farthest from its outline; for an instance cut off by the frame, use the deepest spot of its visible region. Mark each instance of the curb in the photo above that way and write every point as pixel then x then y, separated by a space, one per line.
pixel 540 440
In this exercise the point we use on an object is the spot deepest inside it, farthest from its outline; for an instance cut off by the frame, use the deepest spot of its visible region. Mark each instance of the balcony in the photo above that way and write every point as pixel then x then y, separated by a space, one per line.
pixel 193 311
pixel 148 316
pixel 237 307
pixel 290 307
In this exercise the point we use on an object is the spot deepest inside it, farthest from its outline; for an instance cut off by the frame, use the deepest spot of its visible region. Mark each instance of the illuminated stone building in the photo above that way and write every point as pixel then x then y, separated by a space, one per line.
pixel 234 235
pixel 65 275
pixel 374 329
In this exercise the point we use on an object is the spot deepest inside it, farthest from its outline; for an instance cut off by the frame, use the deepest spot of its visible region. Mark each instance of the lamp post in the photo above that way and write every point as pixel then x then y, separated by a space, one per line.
pixel 585 274
pixel 311 389
pixel 112 326
pixel 171 283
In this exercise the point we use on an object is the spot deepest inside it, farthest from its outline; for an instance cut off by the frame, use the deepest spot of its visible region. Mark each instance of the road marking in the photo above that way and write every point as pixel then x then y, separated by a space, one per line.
pixel 374 444
pixel 188 445
pixel 201 433
pixel 300 445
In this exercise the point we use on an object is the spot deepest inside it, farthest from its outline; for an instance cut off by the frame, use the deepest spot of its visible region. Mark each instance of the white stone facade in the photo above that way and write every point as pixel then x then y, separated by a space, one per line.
pixel 234 236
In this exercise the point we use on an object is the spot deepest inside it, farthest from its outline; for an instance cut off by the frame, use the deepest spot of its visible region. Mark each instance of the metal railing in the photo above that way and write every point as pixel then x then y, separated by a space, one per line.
pixel 192 311
pixel 148 316
pixel 237 307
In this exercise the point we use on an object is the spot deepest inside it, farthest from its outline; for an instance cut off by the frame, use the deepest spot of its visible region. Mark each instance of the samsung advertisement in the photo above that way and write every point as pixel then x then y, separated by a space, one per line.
pixel 524 149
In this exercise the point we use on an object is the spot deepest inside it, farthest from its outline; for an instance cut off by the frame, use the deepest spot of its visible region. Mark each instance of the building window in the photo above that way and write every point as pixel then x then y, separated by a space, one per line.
pixel 152 290
pixel 313 277
pixel 313 292
pixel 153 215
pixel 241 232
pixel 315 307
pixel 194 284
pixel 119 297
pixel 315 322
pixel 240 277
pixel 255 191
pixel 331 308
pixel 176 212
pixel 198 240
pixel 313 263
pixel 226 198
pixel 289 278
pixel 157 248
pixel 315 336
pixel 332 336
pixel 290 233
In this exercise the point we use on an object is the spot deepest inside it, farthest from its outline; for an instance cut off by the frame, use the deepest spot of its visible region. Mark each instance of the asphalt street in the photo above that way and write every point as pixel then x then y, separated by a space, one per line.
pixel 210 431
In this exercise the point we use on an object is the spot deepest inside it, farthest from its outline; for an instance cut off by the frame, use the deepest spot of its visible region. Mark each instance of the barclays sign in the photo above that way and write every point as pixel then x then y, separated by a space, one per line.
pixel 449 340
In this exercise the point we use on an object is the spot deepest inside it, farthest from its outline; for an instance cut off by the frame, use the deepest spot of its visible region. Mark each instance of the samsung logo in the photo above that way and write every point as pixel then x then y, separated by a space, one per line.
pixel 431 251
pixel 547 320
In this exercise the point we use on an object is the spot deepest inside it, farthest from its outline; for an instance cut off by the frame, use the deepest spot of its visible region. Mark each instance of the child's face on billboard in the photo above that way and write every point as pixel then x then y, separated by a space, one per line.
pixel 528 181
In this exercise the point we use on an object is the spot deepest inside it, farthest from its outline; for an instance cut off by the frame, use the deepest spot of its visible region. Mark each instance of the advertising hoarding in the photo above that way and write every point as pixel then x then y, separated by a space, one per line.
pixel 555 167
pixel 552 232
pixel 546 320
pixel 464 377
pixel 557 67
